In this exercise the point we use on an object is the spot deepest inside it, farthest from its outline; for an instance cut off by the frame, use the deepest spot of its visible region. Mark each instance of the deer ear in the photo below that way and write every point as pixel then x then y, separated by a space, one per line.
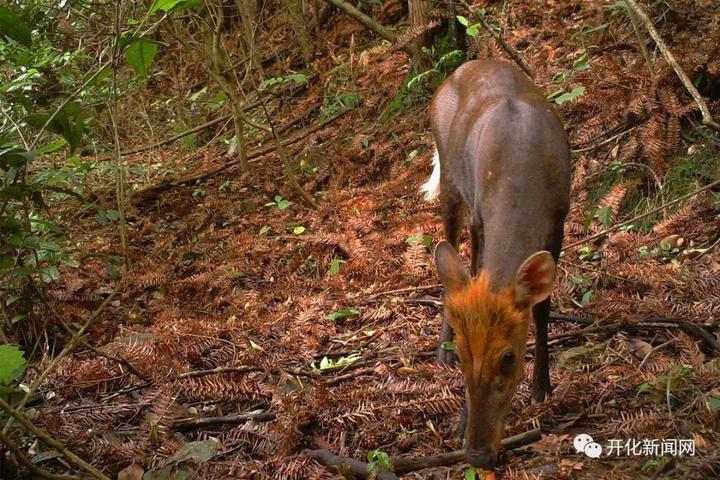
pixel 450 268
pixel 534 279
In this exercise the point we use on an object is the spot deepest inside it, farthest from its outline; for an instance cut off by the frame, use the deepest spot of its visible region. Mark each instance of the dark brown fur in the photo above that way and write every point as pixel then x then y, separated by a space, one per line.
pixel 505 159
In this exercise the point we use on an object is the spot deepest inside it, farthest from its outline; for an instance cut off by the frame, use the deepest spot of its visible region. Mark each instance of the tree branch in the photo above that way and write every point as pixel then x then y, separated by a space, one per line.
pixel 364 19
pixel 707 118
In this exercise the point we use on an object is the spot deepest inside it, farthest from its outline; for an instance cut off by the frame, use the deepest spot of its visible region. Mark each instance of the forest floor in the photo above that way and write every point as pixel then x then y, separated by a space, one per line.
pixel 222 275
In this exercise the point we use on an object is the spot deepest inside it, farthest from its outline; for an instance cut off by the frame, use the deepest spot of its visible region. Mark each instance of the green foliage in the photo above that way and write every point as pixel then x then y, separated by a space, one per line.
pixel 560 95
pixel 378 459
pixel 582 288
pixel 665 252
pixel 426 240
pixel 274 81
pixel 335 266
pixel 299 230
pixel 279 202
pixel 470 474
pixel 448 346
pixel 169 6
pixel 139 53
pixel 12 364
pixel 329 365
pixel 344 313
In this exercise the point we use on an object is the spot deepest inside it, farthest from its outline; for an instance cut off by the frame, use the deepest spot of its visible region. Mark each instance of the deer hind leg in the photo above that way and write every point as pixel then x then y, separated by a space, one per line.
pixel 453 217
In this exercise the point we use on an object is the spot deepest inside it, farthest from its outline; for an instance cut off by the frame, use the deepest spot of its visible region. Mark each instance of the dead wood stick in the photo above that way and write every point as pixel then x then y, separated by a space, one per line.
pixel 363 19
pixel 405 465
pixel 571 318
pixel 707 118
pixel 241 369
pixel 50 441
pixel 258 153
pixel 402 290
pixel 192 423
pixel 507 48
pixel 643 215
pixel 27 463
pixel 346 465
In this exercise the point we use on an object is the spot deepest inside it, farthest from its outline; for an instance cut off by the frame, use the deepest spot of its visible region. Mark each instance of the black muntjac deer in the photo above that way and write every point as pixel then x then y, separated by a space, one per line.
pixel 503 159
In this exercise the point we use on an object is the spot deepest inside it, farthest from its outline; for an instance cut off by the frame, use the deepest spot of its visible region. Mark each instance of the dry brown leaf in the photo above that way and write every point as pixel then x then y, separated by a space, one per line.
pixel 131 472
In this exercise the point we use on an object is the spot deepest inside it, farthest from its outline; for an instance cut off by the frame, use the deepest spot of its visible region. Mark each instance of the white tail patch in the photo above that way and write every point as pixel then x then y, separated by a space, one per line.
pixel 431 188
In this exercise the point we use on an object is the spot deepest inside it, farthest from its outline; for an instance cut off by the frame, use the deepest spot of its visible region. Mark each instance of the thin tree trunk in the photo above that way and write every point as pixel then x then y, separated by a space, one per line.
pixel 418 20
pixel 217 68
pixel 299 23
pixel 249 14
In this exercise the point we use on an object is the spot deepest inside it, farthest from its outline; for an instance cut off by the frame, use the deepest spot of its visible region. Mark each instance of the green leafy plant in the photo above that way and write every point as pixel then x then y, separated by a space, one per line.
pixel 378 459
pixel 426 240
pixel 328 365
pixel 560 95
pixel 344 313
pixel 279 202
pixel 581 285
pixel 448 345
pixel 664 252
pixel 298 78
pixel 335 265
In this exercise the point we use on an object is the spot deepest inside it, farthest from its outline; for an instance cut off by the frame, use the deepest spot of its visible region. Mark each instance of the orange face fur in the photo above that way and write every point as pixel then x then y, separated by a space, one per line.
pixel 490 337
pixel 491 331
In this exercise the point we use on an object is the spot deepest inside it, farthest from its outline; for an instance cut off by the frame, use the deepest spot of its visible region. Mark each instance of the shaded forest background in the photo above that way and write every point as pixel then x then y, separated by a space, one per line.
pixel 213 252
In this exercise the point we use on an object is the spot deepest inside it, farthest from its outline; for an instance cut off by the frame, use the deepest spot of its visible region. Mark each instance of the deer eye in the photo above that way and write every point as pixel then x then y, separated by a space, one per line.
pixel 507 360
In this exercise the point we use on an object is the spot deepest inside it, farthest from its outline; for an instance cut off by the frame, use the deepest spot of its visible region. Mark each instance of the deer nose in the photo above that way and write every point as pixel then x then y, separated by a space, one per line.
pixel 482 458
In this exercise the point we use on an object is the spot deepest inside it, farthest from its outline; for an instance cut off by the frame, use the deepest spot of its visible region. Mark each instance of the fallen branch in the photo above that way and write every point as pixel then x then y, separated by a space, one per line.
pixel 346 465
pixel 571 318
pixel 192 423
pixel 514 54
pixel 643 215
pixel 51 442
pixel 363 19
pixel 403 465
pixel 27 463
pixel 707 118
pixel 252 155
pixel 242 369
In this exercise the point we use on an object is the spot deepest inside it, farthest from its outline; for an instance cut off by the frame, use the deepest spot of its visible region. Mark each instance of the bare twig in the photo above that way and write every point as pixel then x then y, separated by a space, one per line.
pixel 348 466
pixel 652 350
pixel 40 434
pixel 405 465
pixel 604 142
pixel 363 19
pixel 39 472
pixel 707 118
pixel 641 41
pixel 191 423
pixel 643 215
pixel 252 155
pixel 289 172
pixel 514 54
pixel 70 346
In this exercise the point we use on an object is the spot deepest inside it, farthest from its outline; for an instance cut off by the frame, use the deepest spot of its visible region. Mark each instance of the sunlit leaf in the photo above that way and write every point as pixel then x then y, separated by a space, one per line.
pixel 12 363
pixel 139 54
